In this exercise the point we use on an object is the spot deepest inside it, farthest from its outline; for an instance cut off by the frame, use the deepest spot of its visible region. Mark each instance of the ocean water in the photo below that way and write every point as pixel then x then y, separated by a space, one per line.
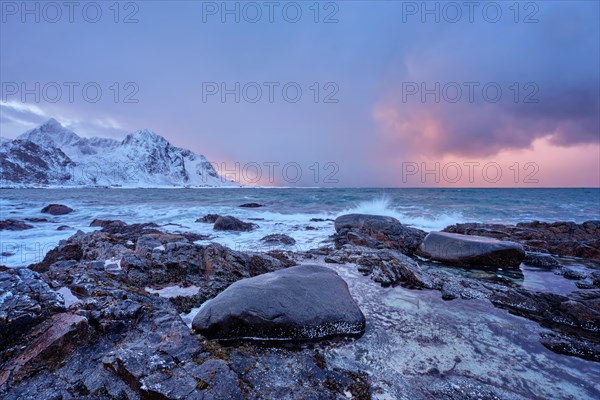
pixel 286 210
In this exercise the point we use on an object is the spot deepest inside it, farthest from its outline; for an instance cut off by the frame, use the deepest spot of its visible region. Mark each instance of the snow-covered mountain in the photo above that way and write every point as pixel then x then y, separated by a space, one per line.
pixel 142 159
pixel 24 163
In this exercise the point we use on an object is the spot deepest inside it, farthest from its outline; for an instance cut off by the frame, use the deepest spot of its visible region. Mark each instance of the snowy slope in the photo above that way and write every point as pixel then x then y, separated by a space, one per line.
pixel 142 159
pixel 24 163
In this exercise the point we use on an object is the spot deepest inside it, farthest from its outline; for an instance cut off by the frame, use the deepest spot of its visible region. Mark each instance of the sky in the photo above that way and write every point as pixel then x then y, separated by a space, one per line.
pixel 347 93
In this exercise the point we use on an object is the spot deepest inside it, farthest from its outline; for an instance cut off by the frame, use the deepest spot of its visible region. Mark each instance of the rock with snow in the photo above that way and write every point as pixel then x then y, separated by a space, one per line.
pixel 307 302
pixel 471 251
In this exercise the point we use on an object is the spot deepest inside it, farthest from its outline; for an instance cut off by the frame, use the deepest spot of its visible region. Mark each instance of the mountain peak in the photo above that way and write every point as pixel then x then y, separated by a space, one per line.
pixel 50 133
pixel 144 135
pixel 51 125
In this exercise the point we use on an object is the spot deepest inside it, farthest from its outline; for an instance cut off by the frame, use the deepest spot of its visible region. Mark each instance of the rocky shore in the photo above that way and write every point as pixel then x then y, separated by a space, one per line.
pixel 108 314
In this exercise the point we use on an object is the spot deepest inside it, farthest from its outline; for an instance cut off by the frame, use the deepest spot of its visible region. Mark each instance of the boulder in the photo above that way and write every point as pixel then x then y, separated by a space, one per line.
pixel 278 238
pixel 102 223
pixel 209 218
pixel 251 205
pixel 36 219
pixel 377 231
pixel 307 302
pixel 13 225
pixel 540 260
pixel 229 223
pixel 562 238
pixel 471 251
pixel 57 209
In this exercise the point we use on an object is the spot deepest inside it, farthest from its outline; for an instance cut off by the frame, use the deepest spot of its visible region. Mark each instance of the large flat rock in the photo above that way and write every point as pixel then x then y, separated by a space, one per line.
pixel 306 302
pixel 471 251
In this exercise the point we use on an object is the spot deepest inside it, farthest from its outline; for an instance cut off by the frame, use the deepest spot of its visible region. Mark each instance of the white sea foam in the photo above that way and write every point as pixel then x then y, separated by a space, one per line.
pixel 189 317
pixel 421 219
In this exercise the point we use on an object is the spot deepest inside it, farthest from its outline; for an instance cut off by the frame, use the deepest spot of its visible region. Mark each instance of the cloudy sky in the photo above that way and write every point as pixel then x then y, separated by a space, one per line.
pixel 370 93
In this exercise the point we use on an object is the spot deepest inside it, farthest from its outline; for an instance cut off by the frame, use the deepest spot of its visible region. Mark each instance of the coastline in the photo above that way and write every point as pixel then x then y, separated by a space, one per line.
pixel 426 325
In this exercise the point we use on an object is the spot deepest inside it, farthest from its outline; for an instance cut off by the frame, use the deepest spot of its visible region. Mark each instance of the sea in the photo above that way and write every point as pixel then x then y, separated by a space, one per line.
pixel 305 214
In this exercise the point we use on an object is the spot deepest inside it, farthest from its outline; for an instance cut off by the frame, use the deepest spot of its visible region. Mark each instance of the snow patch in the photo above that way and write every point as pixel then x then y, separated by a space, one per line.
pixel 68 296
pixel 112 264
pixel 175 291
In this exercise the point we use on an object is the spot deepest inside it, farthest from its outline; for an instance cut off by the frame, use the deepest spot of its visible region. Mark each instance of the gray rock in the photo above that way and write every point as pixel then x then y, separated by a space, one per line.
pixel 562 238
pixel 279 239
pixel 540 260
pixel 574 274
pixel 251 205
pixel 471 251
pixel 25 301
pixel 229 223
pixel 377 231
pixel 57 209
pixel 14 225
pixel 36 219
pixel 306 302
pixel 209 218
pixel 107 223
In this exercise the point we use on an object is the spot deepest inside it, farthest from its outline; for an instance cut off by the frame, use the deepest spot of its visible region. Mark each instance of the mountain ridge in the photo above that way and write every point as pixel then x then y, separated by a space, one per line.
pixel 57 156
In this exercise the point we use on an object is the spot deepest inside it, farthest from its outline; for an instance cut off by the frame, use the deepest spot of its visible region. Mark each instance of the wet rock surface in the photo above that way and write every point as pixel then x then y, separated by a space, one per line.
pixel 117 341
pixel 25 301
pixel 251 205
pixel 306 302
pixel 378 232
pixel 14 225
pixel 57 209
pixel 84 326
pixel 209 218
pixel 279 238
pixel 229 223
pixel 470 250
pixel 572 316
pixel 561 238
